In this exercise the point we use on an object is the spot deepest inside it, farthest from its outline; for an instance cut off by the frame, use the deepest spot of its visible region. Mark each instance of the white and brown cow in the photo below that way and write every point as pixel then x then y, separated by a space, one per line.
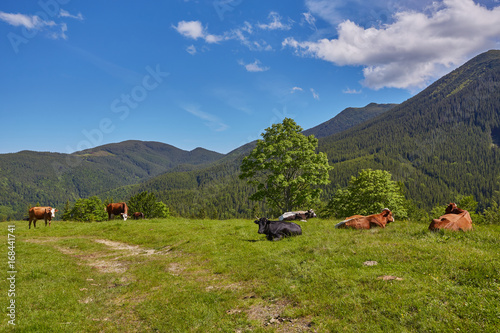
pixel 119 208
pixel 38 213
pixel 302 215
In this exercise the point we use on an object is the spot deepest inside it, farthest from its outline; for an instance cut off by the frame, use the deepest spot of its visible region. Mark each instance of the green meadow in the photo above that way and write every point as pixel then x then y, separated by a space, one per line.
pixel 182 275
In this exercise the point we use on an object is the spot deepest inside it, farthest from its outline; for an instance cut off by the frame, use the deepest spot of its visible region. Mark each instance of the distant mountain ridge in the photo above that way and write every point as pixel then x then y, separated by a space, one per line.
pixel 348 118
pixel 29 177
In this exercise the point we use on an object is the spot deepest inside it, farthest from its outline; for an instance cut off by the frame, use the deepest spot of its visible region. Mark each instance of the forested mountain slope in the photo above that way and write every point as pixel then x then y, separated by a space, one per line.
pixel 439 143
pixel 30 177
pixel 348 118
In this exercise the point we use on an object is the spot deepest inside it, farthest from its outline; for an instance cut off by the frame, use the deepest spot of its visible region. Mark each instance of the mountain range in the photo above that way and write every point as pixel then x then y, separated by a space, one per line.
pixel 442 142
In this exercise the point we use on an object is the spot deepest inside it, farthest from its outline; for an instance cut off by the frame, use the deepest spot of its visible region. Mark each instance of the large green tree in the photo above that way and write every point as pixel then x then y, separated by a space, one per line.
pixel 285 167
pixel 369 193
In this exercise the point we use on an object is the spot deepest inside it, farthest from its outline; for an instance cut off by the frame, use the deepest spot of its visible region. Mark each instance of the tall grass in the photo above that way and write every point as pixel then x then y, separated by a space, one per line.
pixel 180 275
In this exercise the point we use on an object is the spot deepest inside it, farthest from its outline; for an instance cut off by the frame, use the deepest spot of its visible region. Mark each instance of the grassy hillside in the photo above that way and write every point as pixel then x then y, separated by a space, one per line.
pixel 181 275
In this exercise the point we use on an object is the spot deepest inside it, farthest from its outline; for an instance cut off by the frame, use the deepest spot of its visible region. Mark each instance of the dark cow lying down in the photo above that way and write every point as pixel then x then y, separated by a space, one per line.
pixel 38 213
pixel 455 219
pixel 275 230
pixel 302 215
pixel 367 222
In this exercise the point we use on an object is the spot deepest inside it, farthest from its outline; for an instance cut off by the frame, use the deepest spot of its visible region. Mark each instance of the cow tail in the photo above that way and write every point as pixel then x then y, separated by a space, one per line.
pixel 340 224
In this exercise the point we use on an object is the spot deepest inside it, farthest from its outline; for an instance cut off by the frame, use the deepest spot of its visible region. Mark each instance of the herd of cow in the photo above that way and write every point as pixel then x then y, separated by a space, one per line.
pixel 455 219
pixel 47 213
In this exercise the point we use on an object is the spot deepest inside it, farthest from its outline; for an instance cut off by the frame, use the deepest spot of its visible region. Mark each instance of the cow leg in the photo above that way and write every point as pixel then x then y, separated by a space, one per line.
pixel 29 224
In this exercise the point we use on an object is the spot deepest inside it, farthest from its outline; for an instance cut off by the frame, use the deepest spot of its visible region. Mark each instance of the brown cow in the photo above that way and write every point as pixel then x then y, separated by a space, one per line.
pixel 455 219
pixel 366 222
pixel 453 209
pixel 119 208
pixel 138 215
pixel 38 213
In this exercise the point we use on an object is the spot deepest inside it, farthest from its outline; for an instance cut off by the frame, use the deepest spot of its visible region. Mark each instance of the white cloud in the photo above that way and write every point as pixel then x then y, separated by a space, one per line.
pixel 275 23
pixel 351 91
pixel 315 94
pixel 33 22
pixel 212 121
pixel 254 67
pixel 28 21
pixel 416 48
pixel 310 19
pixel 191 50
pixel 195 30
pixel 295 89
pixel 65 13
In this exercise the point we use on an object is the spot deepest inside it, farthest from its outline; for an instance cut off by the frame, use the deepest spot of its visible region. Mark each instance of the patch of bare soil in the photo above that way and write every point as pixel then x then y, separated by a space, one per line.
pixel 271 315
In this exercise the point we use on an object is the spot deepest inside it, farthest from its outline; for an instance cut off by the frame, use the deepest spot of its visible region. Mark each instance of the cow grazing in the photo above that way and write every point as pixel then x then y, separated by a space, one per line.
pixel 38 213
pixel 275 230
pixel 302 215
pixel 138 215
pixel 454 219
pixel 367 222
pixel 119 208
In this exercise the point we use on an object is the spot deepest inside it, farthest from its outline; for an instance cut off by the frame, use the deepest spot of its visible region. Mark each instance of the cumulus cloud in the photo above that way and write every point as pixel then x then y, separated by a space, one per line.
pixel 412 50
pixel 254 67
pixel 275 23
pixel 195 30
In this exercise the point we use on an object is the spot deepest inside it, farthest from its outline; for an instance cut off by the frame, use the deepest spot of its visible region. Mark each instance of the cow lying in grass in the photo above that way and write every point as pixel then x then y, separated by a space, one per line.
pixel 367 222
pixel 275 230
pixel 302 215
pixel 455 219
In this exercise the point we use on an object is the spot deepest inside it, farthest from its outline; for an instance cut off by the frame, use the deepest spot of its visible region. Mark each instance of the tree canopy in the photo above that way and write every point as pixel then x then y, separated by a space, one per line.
pixel 285 168
pixel 368 193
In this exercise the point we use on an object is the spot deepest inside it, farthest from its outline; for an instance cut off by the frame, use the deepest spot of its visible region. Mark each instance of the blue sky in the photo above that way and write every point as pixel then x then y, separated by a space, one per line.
pixel 216 73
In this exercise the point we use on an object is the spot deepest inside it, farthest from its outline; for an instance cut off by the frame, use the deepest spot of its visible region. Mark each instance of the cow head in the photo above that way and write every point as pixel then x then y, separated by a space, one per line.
pixel 452 207
pixel 262 222
pixel 125 216
pixel 51 212
pixel 386 212
pixel 310 213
